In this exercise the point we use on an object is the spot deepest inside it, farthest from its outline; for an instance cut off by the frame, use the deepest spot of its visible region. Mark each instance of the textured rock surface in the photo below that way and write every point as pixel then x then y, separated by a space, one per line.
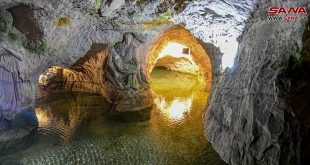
pixel 67 42
pixel 249 120
pixel 217 22
pixel 70 27
pixel 86 75
pixel 90 74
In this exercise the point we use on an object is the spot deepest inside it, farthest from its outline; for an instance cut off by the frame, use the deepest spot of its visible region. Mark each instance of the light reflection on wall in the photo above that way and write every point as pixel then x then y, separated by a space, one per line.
pixel 175 110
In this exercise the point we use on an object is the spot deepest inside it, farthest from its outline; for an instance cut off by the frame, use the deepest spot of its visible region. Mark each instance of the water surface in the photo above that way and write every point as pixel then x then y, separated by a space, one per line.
pixel 75 128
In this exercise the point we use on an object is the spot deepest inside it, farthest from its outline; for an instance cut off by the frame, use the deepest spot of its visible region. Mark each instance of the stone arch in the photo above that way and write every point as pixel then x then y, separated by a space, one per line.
pixel 180 35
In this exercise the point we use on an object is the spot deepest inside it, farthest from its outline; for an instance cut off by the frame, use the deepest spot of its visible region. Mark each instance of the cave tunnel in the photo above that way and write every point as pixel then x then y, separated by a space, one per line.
pixel 176 65
pixel 178 50
pixel 180 70
pixel 70 102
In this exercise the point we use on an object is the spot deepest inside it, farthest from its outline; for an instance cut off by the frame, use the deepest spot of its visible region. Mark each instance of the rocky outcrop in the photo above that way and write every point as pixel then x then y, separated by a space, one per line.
pixel 258 109
pixel 89 74
pixel 248 119
pixel 17 118
pixel 86 75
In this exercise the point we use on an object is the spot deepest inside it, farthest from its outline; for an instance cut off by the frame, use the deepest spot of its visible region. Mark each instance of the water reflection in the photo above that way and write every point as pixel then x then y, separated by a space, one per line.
pixel 175 93
pixel 42 117
pixel 50 124
pixel 75 129
pixel 60 115
pixel 174 110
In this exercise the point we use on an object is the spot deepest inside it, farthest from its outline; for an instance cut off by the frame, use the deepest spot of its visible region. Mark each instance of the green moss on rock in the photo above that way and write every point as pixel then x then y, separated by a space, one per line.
pixel 39 47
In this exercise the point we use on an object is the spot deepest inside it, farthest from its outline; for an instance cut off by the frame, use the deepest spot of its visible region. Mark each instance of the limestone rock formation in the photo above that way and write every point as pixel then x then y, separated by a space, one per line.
pixel 91 74
pixel 200 59
pixel 217 22
pixel 17 118
pixel 248 119
pixel 86 75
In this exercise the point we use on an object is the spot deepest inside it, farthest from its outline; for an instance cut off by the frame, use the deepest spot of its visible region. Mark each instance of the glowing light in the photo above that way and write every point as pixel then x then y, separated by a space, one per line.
pixel 175 50
pixel 42 117
pixel 176 110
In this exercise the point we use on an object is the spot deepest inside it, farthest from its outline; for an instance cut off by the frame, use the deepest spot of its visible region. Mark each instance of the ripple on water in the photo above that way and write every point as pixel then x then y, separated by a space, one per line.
pixel 74 130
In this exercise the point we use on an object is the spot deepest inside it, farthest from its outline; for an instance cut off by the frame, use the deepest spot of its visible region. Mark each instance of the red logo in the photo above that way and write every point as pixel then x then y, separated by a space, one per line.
pixel 291 10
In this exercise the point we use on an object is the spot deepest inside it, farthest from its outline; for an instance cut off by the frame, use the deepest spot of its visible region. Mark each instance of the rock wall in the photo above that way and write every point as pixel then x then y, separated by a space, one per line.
pixel 68 29
pixel 217 22
pixel 254 114
pixel 248 119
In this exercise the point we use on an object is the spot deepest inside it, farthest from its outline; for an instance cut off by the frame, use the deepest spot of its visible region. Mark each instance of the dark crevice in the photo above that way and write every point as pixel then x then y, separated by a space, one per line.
pixel 25 22
pixel 299 93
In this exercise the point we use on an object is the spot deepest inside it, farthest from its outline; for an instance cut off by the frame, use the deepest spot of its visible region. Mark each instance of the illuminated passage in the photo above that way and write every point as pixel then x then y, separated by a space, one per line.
pixel 178 50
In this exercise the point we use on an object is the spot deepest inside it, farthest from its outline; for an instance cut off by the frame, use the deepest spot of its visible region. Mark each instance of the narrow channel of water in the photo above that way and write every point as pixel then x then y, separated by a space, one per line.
pixel 74 129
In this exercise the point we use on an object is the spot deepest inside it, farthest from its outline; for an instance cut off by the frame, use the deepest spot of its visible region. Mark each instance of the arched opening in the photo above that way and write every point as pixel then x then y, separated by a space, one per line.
pixel 180 72
pixel 177 49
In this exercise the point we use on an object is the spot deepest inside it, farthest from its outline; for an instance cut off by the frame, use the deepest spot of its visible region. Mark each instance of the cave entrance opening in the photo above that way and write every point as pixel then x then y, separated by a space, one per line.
pixel 180 74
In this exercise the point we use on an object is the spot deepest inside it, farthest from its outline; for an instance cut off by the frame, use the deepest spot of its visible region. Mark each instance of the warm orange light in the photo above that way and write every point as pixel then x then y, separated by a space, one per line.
pixel 176 110
pixel 42 117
